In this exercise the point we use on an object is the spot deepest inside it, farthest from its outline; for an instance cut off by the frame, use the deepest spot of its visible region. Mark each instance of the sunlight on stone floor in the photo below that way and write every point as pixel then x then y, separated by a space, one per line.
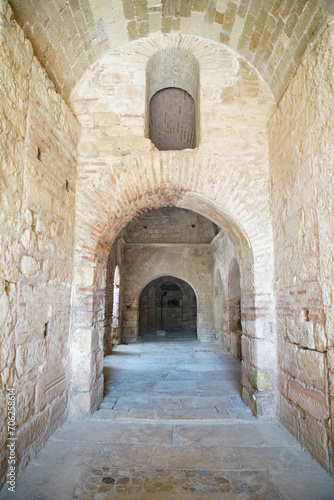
pixel 173 426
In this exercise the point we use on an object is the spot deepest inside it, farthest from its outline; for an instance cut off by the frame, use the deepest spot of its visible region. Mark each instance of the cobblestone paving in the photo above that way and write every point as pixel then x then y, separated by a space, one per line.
pixel 104 481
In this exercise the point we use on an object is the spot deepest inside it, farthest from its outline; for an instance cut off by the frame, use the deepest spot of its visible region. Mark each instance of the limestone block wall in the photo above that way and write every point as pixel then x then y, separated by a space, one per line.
pixel 38 180
pixel 224 306
pixel 301 167
pixel 170 225
pixel 191 263
pixel 112 314
pixel 226 179
pixel 16 59
pixel 272 35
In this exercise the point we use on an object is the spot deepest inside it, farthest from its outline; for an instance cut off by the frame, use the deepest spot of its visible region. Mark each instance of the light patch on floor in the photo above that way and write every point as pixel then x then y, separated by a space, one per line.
pixel 173 426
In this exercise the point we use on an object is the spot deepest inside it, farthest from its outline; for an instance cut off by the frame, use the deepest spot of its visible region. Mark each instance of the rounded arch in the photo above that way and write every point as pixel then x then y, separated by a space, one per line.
pixel 115 24
pixel 191 180
pixel 167 303
pixel 146 47
pixel 156 277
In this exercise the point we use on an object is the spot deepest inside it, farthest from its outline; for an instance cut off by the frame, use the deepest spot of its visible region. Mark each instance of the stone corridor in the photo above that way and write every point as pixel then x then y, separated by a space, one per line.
pixel 173 426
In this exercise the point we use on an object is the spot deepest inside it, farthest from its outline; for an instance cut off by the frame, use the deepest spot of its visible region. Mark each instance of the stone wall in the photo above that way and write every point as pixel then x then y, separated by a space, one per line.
pixel 38 181
pixel 301 166
pixel 271 35
pixel 226 330
pixel 191 263
pixel 225 179
pixel 170 225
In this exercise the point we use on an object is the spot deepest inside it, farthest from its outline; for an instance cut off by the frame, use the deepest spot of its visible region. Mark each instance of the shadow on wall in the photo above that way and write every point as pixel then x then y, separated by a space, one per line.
pixel 234 309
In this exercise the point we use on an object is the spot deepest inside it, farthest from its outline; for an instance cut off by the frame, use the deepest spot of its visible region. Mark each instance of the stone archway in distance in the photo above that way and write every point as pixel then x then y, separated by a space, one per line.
pixel 169 304
pixel 259 342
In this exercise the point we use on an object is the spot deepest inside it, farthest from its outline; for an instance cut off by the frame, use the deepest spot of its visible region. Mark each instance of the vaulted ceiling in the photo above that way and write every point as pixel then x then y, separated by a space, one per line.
pixel 70 35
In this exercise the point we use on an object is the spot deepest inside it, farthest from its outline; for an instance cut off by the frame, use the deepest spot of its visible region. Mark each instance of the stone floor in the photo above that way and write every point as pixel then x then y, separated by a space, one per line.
pixel 173 426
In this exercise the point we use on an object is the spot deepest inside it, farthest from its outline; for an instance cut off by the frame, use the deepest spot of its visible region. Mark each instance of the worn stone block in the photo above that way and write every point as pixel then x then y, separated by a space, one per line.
pixel 29 265
pixel 28 239
pixel 311 368
pixel 30 356
pixel 287 355
pixel 84 374
pixel 314 436
pixel 315 403
pixel 300 332
pixel 86 341
pixel 289 415
pixel 260 380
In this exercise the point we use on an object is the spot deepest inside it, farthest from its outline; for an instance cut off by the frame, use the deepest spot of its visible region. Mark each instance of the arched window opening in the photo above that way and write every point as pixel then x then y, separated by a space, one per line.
pixel 172 77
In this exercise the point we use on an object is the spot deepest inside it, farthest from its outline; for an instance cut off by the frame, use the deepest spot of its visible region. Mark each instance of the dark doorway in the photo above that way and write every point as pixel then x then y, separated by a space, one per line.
pixel 167 303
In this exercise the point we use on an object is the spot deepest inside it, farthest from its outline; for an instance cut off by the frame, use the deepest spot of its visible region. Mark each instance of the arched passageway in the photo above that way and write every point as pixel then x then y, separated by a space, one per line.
pixel 167 304
pixel 126 177
pixel 258 370
pixel 256 171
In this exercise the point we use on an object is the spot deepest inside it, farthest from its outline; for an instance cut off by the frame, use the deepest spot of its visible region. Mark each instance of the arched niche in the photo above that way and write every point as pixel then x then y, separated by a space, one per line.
pixel 172 108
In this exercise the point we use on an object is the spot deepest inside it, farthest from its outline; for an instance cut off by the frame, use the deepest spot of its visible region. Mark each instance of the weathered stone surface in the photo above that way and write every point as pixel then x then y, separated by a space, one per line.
pixel 30 356
pixel 311 368
pixel 313 402
pixel 28 239
pixel 287 354
pixel 259 379
pixel 330 357
pixel 300 145
pixel 314 436
pixel 29 265
pixel 86 340
pixel 300 333
pixel 37 154
pixel 121 175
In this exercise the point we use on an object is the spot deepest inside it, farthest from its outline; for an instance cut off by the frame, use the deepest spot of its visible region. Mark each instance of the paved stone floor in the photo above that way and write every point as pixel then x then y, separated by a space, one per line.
pixel 173 426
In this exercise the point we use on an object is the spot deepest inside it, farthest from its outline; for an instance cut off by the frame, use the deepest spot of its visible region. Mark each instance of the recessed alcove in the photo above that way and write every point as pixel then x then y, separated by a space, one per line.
pixel 172 109
pixel 172 120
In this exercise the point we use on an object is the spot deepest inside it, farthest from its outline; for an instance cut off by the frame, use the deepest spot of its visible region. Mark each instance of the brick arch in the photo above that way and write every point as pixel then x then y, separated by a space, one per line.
pixel 197 181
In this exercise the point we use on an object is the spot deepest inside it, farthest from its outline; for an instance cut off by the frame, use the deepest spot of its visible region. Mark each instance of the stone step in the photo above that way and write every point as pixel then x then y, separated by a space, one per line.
pixel 170 417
